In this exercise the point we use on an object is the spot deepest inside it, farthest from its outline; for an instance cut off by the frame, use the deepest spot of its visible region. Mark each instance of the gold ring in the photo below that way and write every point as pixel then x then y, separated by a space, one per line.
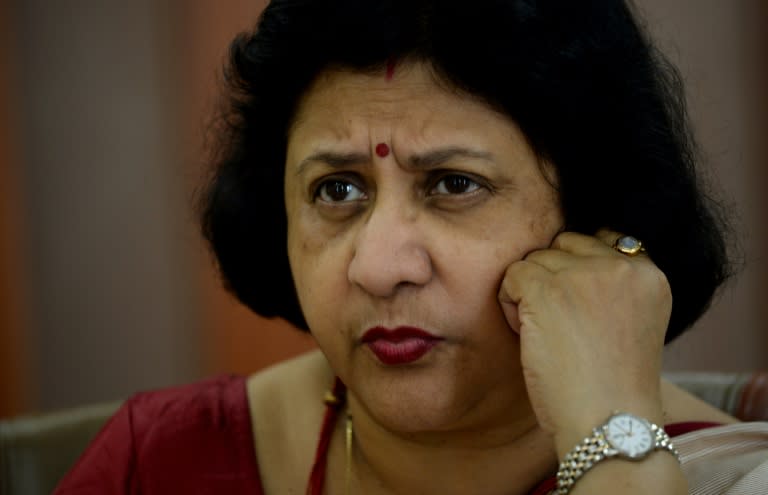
pixel 629 245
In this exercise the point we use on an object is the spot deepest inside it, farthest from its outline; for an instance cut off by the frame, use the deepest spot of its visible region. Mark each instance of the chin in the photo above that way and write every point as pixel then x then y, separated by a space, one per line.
pixel 406 410
pixel 420 398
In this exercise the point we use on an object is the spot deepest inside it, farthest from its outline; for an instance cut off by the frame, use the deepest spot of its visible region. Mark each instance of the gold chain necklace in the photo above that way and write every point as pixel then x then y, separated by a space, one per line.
pixel 350 432
pixel 332 400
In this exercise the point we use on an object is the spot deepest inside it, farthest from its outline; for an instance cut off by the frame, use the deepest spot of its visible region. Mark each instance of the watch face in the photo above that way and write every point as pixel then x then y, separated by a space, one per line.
pixel 629 435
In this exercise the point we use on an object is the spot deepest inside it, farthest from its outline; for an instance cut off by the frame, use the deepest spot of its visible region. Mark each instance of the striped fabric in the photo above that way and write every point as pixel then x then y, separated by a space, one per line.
pixel 726 460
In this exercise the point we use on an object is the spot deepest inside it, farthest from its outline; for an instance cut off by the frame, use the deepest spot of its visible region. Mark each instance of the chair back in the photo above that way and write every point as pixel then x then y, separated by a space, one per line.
pixel 37 450
pixel 742 395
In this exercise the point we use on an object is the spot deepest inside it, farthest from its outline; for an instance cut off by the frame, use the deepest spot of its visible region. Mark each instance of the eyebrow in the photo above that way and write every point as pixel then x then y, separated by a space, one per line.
pixel 437 157
pixel 333 159
pixel 428 160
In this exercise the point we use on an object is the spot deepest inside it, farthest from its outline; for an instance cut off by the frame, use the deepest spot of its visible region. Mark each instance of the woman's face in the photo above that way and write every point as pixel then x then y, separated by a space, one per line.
pixel 406 203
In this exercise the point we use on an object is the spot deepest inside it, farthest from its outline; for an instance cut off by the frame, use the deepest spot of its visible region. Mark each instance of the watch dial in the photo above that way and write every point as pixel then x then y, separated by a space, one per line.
pixel 630 435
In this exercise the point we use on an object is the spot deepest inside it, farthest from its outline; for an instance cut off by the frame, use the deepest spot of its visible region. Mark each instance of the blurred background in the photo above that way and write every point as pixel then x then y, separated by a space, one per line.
pixel 105 285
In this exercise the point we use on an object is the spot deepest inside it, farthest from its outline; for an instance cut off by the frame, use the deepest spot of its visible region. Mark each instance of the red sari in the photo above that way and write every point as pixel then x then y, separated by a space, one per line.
pixel 194 439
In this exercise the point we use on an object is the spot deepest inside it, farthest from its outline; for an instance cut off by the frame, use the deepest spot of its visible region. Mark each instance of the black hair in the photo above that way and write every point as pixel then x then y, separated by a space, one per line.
pixel 589 90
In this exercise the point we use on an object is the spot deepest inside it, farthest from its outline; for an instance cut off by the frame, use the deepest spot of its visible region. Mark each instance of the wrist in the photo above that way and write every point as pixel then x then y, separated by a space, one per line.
pixel 622 436
pixel 659 474
pixel 578 426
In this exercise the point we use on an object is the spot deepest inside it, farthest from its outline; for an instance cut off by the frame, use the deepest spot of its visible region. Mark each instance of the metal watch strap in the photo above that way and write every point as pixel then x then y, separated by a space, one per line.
pixel 596 448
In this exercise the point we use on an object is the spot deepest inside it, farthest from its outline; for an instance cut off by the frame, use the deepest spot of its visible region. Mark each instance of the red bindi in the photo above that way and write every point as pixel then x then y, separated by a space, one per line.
pixel 390 70
pixel 382 150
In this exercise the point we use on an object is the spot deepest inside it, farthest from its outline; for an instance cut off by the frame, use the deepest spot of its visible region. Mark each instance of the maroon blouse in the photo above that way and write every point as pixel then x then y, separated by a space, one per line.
pixel 194 439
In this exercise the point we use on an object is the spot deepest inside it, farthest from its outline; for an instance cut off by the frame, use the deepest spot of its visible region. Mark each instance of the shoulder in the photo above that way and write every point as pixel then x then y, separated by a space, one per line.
pixel 204 415
pixel 286 404
pixel 308 372
pixel 188 436
pixel 208 402
pixel 289 394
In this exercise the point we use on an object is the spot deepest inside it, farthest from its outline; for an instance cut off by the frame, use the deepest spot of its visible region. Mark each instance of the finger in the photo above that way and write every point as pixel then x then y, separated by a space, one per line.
pixel 581 244
pixel 522 278
pixel 512 316
pixel 610 237
pixel 568 245
pixel 554 260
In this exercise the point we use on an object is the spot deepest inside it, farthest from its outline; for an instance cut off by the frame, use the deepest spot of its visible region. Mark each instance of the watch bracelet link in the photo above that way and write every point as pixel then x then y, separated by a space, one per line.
pixel 596 448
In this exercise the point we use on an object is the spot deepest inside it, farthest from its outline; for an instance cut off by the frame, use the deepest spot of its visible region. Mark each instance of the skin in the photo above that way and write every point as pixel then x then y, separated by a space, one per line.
pixel 404 253
pixel 467 245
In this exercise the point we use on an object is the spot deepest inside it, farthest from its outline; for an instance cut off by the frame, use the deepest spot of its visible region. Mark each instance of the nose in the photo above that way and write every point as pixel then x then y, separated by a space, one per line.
pixel 390 253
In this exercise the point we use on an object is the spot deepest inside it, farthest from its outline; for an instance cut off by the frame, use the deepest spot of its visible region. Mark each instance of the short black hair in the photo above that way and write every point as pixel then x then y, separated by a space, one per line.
pixel 589 90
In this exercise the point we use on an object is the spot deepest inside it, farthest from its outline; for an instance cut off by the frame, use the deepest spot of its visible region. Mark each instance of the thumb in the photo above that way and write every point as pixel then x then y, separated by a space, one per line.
pixel 509 308
pixel 518 280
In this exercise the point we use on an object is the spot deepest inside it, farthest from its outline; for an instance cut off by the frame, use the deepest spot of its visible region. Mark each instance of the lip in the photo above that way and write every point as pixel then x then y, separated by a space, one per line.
pixel 402 345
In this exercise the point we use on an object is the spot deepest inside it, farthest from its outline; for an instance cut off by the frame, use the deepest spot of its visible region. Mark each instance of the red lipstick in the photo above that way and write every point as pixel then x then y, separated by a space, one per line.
pixel 402 345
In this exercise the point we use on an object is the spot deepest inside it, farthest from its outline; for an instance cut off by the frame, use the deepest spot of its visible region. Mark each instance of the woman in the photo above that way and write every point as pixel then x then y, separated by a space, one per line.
pixel 454 181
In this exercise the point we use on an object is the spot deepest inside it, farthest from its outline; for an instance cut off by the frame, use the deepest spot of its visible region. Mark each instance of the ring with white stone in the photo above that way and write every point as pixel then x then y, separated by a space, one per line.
pixel 629 245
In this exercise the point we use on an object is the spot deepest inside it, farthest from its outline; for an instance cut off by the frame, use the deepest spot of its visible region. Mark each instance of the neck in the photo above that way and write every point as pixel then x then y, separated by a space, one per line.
pixel 508 456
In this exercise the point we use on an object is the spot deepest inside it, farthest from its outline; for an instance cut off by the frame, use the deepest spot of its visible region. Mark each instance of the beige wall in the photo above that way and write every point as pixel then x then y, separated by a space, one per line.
pixel 120 292
pixel 111 285
pixel 716 46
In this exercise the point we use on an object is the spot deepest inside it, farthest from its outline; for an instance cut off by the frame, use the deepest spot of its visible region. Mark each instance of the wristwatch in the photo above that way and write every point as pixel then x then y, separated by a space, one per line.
pixel 623 436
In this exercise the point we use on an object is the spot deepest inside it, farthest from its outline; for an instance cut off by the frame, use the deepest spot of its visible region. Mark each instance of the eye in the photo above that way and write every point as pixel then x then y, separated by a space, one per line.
pixel 338 191
pixel 455 184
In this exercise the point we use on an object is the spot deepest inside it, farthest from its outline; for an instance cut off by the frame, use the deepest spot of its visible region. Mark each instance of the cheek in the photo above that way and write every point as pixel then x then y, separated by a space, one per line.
pixel 318 267
pixel 547 221
pixel 478 267
pixel 471 274
pixel 307 242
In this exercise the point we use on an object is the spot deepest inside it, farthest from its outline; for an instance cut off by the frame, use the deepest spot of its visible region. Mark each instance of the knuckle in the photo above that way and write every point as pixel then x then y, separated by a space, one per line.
pixel 608 236
pixel 651 277
pixel 624 267
pixel 661 281
pixel 563 239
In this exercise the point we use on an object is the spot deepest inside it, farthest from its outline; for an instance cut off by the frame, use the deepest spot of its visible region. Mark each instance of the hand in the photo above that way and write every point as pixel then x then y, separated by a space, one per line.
pixel 591 323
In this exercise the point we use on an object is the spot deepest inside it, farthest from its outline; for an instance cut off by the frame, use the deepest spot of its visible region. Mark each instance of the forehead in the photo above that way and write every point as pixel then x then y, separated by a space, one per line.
pixel 341 96
pixel 395 83
pixel 413 102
